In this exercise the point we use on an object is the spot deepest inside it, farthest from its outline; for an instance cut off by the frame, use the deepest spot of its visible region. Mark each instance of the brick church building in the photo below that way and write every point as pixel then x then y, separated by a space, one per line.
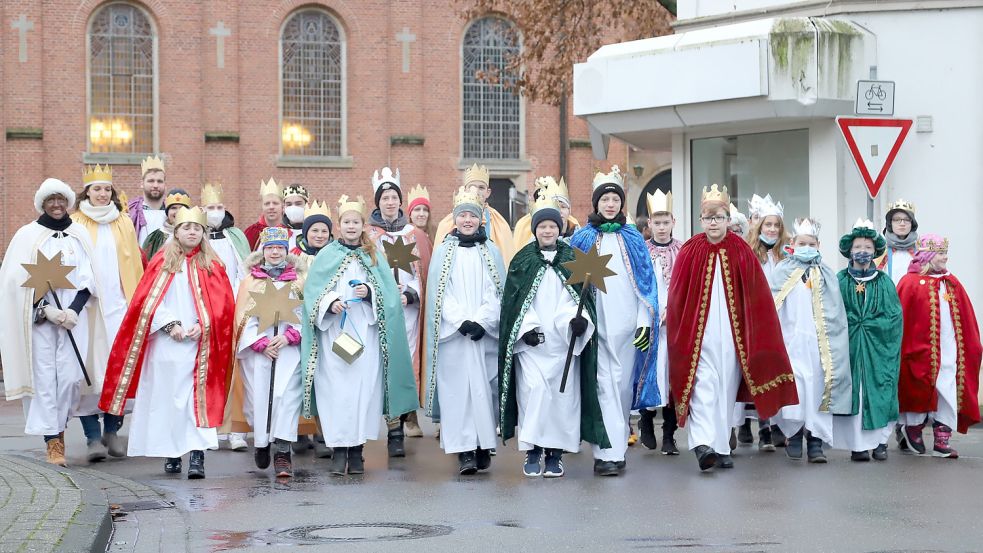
pixel 313 92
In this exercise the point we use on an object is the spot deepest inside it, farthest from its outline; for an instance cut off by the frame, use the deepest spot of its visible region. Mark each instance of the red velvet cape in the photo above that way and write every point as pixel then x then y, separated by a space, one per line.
pixel 253 231
pixel 216 311
pixel 767 381
pixel 921 351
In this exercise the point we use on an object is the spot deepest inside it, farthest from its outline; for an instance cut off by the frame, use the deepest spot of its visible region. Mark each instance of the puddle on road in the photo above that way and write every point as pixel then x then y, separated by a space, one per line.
pixel 327 533
pixel 671 543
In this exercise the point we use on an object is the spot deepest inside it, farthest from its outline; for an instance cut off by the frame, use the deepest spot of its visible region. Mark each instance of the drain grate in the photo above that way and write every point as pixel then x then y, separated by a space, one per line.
pixel 364 532
pixel 149 505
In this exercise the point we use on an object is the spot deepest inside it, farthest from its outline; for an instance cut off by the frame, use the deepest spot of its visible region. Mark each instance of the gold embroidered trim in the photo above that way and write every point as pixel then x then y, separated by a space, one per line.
pixel 793 279
pixel 201 364
pixel 957 324
pixel 825 352
pixel 934 328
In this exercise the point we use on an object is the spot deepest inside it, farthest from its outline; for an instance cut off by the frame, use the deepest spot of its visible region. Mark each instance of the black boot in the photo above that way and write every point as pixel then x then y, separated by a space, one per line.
pixel 468 463
pixel 705 456
pixel 777 436
pixel 262 456
pixel 172 465
pixel 793 447
pixel 764 437
pixel 646 429
pixel 339 460
pixel 814 449
pixel 196 466
pixel 356 464
pixel 744 436
pixel 482 458
pixel 669 426
pixel 395 441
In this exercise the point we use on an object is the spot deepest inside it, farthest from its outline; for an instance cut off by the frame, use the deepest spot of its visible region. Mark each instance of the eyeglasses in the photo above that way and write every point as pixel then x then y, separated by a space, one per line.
pixel 900 220
pixel 714 219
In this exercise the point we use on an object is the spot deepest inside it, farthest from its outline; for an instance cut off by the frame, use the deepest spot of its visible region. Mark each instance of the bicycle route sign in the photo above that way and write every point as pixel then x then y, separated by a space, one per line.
pixel 875 98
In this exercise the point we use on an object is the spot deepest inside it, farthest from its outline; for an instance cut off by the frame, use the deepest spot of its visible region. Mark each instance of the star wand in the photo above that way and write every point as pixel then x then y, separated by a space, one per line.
pixel 591 269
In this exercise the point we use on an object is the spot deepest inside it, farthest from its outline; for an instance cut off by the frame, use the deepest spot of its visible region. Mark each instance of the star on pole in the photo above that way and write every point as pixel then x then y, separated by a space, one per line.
pixel 47 274
pixel 274 305
pixel 400 255
pixel 590 268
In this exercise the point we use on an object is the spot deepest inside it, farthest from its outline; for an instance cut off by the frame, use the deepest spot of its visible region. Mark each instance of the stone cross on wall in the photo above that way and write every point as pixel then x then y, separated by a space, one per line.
pixel 406 38
pixel 22 25
pixel 220 31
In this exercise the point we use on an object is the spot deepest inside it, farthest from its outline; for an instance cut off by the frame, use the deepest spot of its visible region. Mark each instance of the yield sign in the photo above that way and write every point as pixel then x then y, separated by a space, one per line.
pixel 874 143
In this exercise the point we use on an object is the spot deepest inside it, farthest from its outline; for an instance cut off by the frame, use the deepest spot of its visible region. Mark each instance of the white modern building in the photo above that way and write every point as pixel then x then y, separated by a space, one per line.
pixel 746 93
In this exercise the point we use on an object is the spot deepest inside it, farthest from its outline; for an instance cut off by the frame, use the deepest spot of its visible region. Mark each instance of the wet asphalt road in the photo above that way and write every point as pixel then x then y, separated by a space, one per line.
pixel 768 503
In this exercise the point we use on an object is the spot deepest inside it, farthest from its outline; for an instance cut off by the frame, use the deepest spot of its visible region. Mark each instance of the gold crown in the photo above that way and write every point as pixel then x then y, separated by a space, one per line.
pixel 614 177
pixel 211 193
pixel 151 163
pixel 191 215
pixel 97 173
pixel 345 205
pixel 660 202
pixel 465 196
pixel 418 191
pixel 926 244
pixel 270 187
pixel 715 194
pixel 561 192
pixel 476 173
pixel 903 205
pixel 316 208
pixel 177 198
pixel 545 201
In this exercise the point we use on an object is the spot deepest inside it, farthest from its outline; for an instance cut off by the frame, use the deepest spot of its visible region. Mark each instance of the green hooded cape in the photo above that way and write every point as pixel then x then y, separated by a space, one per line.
pixel 525 274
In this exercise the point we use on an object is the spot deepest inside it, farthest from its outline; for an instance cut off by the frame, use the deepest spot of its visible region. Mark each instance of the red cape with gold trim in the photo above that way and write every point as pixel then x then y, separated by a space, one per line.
pixel 920 348
pixel 216 311
pixel 767 373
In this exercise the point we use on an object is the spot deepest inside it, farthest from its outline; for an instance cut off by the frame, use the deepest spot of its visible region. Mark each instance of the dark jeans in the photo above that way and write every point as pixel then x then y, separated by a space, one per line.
pixel 90 425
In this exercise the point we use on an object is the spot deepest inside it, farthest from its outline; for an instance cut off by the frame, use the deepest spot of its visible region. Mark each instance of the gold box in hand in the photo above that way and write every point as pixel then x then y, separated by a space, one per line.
pixel 347 348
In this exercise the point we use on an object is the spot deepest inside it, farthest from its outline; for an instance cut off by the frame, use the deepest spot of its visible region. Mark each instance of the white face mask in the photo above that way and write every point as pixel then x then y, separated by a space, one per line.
pixel 294 213
pixel 215 217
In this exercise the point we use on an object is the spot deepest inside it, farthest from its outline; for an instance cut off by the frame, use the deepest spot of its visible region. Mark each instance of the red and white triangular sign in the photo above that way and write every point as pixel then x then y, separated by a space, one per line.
pixel 873 143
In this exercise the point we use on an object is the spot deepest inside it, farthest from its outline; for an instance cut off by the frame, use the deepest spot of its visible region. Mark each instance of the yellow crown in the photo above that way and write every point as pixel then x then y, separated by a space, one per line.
pixel 97 173
pixel 715 194
pixel 345 205
pixel 466 196
pixel 191 215
pixel 614 177
pixel 211 193
pixel 545 201
pixel 418 191
pixel 660 202
pixel 476 173
pixel 151 163
pixel 561 192
pixel 270 187
pixel 903 205
pixel 316 208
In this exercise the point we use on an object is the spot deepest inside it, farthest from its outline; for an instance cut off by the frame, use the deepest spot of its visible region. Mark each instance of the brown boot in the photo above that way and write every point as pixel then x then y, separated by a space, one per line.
pixel 56 451
pixel 412 426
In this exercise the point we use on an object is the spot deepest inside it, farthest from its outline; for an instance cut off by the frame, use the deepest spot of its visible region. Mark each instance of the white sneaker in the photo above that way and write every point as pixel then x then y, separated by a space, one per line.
pixel 237 442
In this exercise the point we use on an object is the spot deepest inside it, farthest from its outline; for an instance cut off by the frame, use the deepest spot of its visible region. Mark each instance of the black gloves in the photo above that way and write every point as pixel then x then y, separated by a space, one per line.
pixel 642 338
pixel 472 328
pixel 578 326
pixel 533 338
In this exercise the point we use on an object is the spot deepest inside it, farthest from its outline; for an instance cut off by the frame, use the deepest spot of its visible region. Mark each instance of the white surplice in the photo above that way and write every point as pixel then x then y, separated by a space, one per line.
pixel 411 313
pixel 712 411
pixel 163 421
pixel 945 382
pixel 226 251
pixel 288 394
pixel 897 267
pixel 155 220
pixel 619 313
pixel 349 397
pixel 802 343
pixel 467 368
pixel 57 378
pixel 548 418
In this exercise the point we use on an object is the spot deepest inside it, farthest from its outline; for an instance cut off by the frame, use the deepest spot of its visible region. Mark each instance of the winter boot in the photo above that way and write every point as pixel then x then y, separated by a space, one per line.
pixel 56 451
pixel 814 449
pixel 764 438
pixel 794 446
pixel 196 465
pixel 941 447
pixel 744 436
pixel 646 429
pixel 339 461
pixel 395 440
pixel 913 435
pixel 356 464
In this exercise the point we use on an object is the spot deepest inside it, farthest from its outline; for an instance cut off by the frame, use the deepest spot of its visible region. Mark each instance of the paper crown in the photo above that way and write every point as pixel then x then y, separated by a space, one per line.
pixel 465 196
pixel 734 211
pixel 806 226
pixel 933 243
pixel 715 194
pixel 864 223
pixel 418 192
pixel 547 193
pixel 660 202
pixel 151 163
pixel 345 205
pixel 97 173
pixel 294 190
pixel 274 234
pixel 614 177
pixel 903 205
pixel 211 193
pixel 315 208
pixel 177 197
pixel 267 188
pixel 476 173
pixel 191 215
pixel 387 177
pixel 763 207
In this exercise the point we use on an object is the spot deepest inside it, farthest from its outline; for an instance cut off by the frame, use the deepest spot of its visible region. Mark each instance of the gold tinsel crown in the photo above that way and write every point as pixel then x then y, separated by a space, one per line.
pixel 191 215
pixel 345 205
pixel 97 173
pixel 211 193
pixel 477 173
pixel 903 205
pixel 269 187
pixel 715 194
pixel 418 191
pixel 151 163
pixel 317 208
pixel 466 196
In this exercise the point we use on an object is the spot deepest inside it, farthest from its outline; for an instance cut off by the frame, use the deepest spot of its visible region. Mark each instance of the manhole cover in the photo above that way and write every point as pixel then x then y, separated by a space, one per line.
pixel 148 505
pixel 360 532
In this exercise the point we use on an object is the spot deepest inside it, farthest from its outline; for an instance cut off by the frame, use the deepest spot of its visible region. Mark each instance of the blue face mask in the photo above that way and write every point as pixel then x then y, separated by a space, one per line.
pixel 806 254
pixel 766 240
pixel 862 258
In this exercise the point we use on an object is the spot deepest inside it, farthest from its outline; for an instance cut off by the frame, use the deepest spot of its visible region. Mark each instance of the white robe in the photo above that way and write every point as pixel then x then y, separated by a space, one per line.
pixel 713 398
pixel 945 382
pixel 619 313
pixel 802 343
pixel 226 251
pixel 288 394
pixel 155 220
pixel 898 267
pixel 411 313
pixel 466 368
pixel 349 397
pixel 548 418
pixel 163 422
pixel 743 411
pixel 57 376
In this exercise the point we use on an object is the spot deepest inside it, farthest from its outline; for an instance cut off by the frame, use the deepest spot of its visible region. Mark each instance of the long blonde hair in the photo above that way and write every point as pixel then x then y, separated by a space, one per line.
pixel 364 241
pixel 759 248
pixel 174 254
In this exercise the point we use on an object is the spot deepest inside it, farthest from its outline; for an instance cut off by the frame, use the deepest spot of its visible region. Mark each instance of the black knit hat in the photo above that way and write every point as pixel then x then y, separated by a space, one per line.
pixel 604 189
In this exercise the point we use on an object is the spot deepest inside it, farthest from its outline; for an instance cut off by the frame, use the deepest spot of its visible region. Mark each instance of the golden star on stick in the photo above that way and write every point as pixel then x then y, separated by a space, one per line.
pixel 400 255
pixel 272 305
pixel 590 268
pixel 47 273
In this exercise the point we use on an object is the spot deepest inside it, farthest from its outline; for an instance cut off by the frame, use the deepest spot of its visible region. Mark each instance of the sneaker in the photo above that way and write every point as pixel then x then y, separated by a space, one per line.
pixel 114 444
pixel 778 438
pixel 793 447
pixel 533 466
pixel 483 458
pixel 467 462
pixel 172 465
pixel 902 441
pixel 56 451
pixel 725 462
pixel 941 447
pixel 646 429
pixel 605 468
pixel 237 442
pixel 356 463
pixel 744 436
pixel 97 451
pixel 262 456
pixel 814 450
pixel 282 465
pixel 669 445
pixel 860 456
pixel 705 456
pixel 764 439
pixel 554 463
pixel 880 453
pixel 196 466
pixel 913 435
